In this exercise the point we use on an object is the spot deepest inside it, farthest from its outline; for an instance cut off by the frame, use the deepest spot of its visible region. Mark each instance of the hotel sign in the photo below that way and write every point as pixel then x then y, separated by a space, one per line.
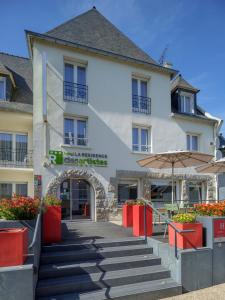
pixel 81 159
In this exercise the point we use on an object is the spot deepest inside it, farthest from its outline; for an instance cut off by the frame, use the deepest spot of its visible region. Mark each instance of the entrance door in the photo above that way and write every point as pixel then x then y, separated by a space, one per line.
pixel 76 199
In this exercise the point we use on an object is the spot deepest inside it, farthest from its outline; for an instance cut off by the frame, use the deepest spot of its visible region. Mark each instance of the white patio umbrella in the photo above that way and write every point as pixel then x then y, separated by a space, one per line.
pixel 215 167
pixel 174 159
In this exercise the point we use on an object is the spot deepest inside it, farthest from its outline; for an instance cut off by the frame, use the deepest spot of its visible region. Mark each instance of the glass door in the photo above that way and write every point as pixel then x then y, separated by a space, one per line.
pixel 75 195
pixel 80 198
pixel 65 197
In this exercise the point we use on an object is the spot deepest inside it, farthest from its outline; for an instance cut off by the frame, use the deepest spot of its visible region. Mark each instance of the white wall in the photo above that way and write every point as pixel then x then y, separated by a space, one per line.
pixel 109 112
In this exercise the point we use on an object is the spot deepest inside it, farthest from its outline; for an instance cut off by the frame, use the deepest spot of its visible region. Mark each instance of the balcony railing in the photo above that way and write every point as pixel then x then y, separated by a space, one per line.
pixel 72 141
pixel 16 158
pixel 74 92
pixel 141 104
pixel 141 148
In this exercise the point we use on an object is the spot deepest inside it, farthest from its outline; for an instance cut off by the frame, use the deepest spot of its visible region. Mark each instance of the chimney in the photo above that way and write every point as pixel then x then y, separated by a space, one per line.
pixel 167 64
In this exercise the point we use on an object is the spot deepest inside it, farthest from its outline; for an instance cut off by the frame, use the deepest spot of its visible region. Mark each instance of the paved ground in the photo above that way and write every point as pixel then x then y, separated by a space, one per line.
pixel 216 292
pixel 86 229
pixel 83 229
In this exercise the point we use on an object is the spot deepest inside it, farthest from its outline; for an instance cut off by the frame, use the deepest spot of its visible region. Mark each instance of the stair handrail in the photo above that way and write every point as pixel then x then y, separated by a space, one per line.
pixel 35 245
pixel 168 222
pixel 37 225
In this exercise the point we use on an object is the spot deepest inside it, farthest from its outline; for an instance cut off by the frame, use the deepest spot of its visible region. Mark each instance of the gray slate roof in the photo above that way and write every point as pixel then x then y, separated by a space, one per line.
pixel 92 29
pixel 21 70
pixel 180 82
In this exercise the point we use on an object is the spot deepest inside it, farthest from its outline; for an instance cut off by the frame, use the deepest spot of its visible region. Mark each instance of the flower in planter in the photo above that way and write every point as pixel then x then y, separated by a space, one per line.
pixel 210 209
pixel 184 218
pixel 130 202
pixel 51 200
pixel 19 208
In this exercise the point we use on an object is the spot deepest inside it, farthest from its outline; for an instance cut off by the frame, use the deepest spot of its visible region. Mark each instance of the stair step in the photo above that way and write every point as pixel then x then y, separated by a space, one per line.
pixel 100 253
pixel 108 264
pixel 88 282
pixel 89 244
pixel 148 290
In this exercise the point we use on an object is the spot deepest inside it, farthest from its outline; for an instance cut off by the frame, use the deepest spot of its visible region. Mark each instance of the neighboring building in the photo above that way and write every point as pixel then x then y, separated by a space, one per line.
pixel 99 104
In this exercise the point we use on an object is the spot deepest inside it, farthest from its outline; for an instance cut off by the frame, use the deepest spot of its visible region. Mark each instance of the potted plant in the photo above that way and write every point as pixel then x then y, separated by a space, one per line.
pixel 127 213
pixel 139 219
pixel 186 240
pixel 212 216
pixel 17 222
pixel 52 220
pixel 19 212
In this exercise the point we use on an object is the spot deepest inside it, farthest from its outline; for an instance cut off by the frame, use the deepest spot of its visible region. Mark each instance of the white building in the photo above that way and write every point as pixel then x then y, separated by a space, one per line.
pixel 99 104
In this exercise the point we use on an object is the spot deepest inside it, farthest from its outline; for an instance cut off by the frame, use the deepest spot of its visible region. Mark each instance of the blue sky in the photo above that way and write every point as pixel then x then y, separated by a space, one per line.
pixel 194 31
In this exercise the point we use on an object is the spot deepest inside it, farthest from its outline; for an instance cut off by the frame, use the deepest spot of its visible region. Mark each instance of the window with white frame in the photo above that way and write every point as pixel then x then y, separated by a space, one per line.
pixel 75 88
pixel 140 100
pixel 192 142
pixel 13 146
pixel 140 139
pixel 75 131
pixel 8 189
pixel 2 88
pixel 187 104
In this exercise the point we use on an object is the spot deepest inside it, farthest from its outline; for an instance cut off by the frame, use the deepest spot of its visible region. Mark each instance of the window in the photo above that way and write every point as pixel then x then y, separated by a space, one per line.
pixel 75 132
pixel 161 192
pixel 195 192
pixel 5 190
pixel 127 192
pixel 140 139
pixel 192 142
pixel 13 147
pixel 187 104
pixel 8 189
pixel 140 101
pixel 2 88
pixel 75 88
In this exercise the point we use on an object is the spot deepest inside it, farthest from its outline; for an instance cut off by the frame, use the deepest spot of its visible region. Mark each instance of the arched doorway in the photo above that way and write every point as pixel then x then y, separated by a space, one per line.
pixel 99 203
pixel 77 202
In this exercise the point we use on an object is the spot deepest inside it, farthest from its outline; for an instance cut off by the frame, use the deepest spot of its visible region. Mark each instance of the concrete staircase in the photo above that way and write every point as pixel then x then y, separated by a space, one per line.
pixel 104 269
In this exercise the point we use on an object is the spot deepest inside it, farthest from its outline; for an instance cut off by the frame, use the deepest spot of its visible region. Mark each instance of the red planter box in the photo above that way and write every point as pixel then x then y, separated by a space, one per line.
pixel 13 246
pixel 127 215
pixel 52 224
pixel 138 220
pixel 194 237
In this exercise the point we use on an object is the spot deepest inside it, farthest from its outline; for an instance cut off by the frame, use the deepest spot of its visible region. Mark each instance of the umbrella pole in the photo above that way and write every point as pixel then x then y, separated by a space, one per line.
pixel 172 182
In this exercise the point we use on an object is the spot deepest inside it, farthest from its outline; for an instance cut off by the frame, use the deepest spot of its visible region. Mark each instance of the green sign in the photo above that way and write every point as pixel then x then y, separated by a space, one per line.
pixel 81 159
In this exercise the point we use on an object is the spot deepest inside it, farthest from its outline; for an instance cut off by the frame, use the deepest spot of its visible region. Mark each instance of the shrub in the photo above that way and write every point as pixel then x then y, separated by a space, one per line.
pixel 19 208
pixel 50 200
pixel 184 218
pixel 210 209
pixel 130 202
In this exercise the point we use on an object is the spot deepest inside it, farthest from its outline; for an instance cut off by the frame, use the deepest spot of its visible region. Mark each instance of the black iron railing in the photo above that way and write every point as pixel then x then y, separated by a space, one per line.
pixel 75 92
pixel 141 104
pixel 16 158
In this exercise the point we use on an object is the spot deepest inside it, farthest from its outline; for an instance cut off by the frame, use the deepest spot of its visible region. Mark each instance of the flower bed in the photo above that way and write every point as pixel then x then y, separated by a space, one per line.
pixel 19 208
pixel 210 209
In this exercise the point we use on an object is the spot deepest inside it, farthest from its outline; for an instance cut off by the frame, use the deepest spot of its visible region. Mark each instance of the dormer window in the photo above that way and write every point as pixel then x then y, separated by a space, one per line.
pixel 187 104
pixel 2 88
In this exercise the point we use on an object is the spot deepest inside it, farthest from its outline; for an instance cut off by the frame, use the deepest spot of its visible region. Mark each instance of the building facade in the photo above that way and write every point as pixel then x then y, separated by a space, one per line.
pixel 99 104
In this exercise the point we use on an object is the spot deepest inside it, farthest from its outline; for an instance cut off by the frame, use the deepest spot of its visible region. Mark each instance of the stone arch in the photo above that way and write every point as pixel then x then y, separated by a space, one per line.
pixel 100 194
